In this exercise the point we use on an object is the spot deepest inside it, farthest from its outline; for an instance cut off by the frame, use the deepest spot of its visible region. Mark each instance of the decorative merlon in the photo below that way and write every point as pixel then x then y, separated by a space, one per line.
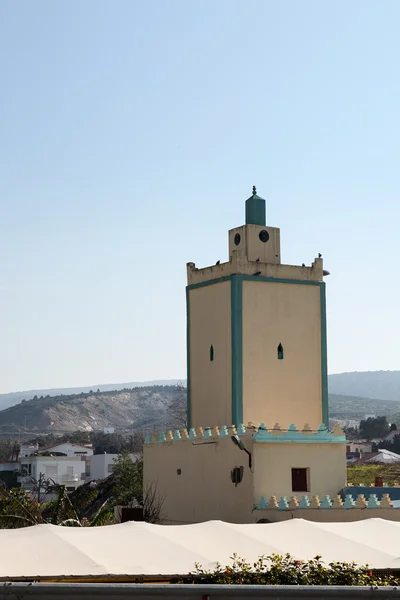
pixel 259 434
pixel 240 265
pixel 292 434
pixel 327 502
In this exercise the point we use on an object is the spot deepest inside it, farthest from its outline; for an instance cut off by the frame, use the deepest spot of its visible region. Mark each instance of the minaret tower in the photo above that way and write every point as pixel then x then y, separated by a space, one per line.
pixel 256 333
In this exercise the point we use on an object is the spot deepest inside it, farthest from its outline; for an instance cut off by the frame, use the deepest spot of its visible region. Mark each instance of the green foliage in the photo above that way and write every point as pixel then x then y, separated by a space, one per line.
pixel 392 445
pixel 286 570
pixel 366 474
pixel 129 479
pixel 374 428
pixel 352 433
pixel 9 450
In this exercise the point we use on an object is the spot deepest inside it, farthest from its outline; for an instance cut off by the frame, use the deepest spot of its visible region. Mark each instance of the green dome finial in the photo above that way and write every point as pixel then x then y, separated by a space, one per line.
pixel 255 209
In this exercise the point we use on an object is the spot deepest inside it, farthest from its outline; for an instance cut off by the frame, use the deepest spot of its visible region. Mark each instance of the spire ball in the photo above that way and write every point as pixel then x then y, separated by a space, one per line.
pixel 254 190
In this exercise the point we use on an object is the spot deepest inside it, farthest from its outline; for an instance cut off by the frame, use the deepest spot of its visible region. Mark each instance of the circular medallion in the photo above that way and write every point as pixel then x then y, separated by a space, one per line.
pixel 264 235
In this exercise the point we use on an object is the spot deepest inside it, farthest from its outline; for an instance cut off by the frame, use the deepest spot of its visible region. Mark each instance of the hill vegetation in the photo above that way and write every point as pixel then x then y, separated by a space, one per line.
pixel 378 385
pixel 137 408
pixel 352 396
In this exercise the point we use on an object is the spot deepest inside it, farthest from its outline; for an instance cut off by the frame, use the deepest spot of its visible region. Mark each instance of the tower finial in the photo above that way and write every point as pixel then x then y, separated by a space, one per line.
pixel 254 190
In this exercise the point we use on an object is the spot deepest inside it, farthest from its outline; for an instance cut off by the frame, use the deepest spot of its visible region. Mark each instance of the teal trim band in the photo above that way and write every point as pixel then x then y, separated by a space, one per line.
pixel 293 435
pixel 324 357
pixel 193 286
pixel 278 280
pixel 188 409
pixel 237 348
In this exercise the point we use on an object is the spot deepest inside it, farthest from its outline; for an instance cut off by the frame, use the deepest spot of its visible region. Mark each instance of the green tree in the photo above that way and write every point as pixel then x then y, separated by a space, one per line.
pixel 352 433
pixel 129 479
pixel 374 428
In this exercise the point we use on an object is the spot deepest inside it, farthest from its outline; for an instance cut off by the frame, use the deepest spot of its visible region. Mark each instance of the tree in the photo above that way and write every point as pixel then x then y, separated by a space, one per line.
pixel 112 443
pixel 392 445
pixel 42 484
pixel 129 489
pixel 9 450
pixel 352 433
pixel 374 428
pixel 129 484
pixel 178 409
pixel 393 427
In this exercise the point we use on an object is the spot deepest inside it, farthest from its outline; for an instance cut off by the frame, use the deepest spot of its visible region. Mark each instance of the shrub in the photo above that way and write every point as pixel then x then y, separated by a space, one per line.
pixel 286 570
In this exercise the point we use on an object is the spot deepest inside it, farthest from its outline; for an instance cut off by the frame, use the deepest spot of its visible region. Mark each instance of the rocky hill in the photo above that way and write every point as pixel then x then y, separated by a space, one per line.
pixel 142 407
pixel 352 395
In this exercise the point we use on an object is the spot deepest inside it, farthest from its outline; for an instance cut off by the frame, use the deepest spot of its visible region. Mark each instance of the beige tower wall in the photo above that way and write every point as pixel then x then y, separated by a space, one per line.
pixel 289 390
pixel 273 465
pixel 210 381
pixel 203 490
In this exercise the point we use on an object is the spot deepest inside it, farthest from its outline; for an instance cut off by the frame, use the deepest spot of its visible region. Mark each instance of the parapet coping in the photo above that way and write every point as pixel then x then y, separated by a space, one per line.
pixel 259 433
pixel 327 502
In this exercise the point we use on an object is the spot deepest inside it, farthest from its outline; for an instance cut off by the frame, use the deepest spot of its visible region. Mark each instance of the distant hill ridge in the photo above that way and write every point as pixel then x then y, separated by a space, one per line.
pixel 381 385
pixel 151 404
pixel 13 398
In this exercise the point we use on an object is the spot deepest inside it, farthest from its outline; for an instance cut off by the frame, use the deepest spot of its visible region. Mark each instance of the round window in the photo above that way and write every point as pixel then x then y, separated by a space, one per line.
pixel 237 239
pixel 263 235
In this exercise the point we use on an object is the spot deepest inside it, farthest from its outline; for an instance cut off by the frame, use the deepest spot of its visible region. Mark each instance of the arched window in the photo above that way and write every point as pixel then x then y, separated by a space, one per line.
pixel 280 352
pixel 211 353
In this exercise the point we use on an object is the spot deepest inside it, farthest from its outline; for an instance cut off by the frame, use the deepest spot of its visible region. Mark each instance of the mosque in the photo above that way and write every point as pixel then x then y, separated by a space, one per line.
pixel 257 408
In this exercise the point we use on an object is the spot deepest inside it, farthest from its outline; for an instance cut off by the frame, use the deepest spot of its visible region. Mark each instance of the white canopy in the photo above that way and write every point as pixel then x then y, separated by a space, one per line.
pixel 144 549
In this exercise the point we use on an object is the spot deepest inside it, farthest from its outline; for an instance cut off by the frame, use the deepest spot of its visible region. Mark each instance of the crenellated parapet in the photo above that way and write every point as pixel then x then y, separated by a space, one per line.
pixel 306 435
pixel 240 265
pixel 197 433
pixel 327 502
pixel 260 433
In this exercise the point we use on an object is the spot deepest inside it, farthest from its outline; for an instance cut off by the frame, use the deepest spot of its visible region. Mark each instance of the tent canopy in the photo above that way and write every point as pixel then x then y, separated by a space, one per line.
pixel 134 549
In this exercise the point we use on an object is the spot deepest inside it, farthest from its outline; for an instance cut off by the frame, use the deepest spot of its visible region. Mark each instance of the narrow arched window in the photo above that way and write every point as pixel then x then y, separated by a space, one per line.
pixel 280 352
pixel 211 353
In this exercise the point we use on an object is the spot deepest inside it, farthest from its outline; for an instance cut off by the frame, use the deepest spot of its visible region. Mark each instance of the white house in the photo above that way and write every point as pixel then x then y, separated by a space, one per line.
pixel 70 449
pixel 28 450
pixel 64 470
pixel 100 466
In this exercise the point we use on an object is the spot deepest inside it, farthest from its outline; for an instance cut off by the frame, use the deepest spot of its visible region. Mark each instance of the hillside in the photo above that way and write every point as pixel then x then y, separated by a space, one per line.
pixel 126 406
pixel 354 407
pixel 7 400
pixel 141 407
pixel 380 385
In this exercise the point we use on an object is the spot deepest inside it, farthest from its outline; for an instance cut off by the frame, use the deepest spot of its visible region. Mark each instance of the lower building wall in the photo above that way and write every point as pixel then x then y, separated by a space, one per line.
pixel 330 515
pixel 273 464
pixel 195 478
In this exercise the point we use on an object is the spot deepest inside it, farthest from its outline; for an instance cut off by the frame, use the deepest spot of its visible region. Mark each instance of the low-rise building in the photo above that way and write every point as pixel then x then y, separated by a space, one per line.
pixel 64 470
pixel 100 466
pixel 70 449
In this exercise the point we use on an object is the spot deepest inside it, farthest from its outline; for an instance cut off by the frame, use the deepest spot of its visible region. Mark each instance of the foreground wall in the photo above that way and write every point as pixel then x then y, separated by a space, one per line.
pixel 325 464
pixel 204 474
pixel 195 477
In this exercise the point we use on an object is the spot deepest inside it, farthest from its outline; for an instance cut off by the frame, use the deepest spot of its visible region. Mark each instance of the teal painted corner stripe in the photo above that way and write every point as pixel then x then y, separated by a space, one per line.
pixel 237 349
pixel 324 357
pixel 188 409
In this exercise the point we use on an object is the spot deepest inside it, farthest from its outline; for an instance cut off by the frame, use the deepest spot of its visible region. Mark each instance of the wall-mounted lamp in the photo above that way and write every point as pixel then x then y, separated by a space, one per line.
pixel 238 442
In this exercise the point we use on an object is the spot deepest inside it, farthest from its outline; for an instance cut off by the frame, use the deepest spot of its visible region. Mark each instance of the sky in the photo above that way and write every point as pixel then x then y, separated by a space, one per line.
pixel 132 133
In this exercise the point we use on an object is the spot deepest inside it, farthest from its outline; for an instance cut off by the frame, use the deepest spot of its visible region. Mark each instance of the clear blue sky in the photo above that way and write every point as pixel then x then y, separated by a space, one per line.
pixel 131 134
